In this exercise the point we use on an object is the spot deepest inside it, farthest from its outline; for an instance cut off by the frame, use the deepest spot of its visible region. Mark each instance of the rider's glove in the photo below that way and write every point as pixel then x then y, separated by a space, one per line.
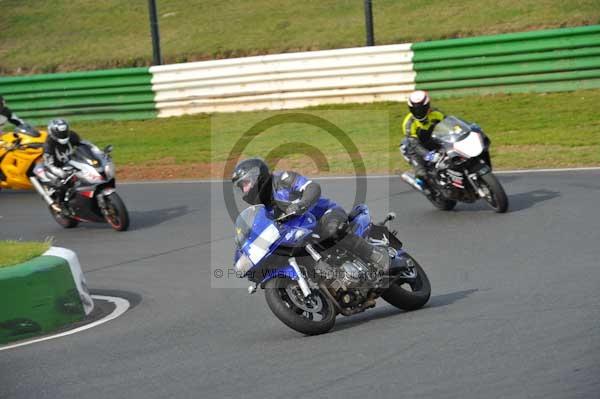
pixel 60 173
pixel 295 208
pixel 432 156
pixel 475 127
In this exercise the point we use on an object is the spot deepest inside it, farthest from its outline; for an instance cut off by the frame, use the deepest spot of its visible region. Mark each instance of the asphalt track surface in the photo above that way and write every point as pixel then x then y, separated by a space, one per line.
pixel 514 313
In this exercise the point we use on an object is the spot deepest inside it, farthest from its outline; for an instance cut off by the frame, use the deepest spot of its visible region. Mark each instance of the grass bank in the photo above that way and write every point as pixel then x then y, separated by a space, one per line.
pixel 63 35
pixel 15 252
pixel 527 130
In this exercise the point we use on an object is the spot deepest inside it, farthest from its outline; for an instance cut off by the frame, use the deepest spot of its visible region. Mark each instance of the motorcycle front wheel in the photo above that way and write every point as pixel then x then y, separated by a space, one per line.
pixel 311 316
pixel 494 193
pixel 117 215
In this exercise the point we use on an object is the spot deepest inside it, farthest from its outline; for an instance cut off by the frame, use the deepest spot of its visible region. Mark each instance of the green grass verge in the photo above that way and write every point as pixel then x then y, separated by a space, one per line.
pixel 527 131
pixel 15 252
pixel 61 35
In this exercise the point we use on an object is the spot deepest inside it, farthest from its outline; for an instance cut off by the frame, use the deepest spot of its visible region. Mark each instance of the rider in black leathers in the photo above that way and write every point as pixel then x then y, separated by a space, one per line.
pixel 58 149
pixel 7 115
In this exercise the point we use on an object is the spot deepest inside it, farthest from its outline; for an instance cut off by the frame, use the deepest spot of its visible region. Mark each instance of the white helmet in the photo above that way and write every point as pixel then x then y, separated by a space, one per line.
pixel 418 104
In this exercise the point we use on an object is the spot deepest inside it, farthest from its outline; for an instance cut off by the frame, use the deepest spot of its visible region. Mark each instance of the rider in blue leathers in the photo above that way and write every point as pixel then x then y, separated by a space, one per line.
pixel 289 193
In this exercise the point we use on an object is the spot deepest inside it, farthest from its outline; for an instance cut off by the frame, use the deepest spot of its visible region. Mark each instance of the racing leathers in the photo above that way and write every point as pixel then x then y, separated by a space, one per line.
pixel 418 141
pixel 55 157
pixel 291 193
pixel 6 115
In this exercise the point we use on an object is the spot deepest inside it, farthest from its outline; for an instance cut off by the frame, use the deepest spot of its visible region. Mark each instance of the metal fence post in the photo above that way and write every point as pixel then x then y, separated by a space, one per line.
pixel 369 23
pixel 156 55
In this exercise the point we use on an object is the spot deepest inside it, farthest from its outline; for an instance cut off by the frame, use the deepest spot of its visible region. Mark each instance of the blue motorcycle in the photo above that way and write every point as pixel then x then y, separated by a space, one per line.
pixel 308 282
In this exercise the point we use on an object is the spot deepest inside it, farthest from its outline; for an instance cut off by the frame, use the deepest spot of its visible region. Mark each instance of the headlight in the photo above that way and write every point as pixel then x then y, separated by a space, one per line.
pixel 471 146
pixel 243 264
pixel 109 170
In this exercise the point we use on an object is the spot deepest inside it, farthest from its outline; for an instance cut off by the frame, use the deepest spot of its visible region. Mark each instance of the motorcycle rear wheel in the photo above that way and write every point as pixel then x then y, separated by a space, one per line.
pixel 117 216
pixel 64 221
pixel 409 295
pixel 440 202
pixel 299 316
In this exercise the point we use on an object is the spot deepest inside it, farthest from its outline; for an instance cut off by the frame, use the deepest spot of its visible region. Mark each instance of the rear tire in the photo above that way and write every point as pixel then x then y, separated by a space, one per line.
pixel 440 202
pixel 64 221
pixel 413 299
pixel 118 216
pixel 279 301
pixel 497 199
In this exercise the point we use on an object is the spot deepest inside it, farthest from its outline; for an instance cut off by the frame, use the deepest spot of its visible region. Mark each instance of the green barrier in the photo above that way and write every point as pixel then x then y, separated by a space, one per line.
pixel 507 48
pixel 550 60
pixel 507 59
pixel 50 102
pixel 525 68
pixel 563 77
pixel 37 297
pixel 108 94
pixel 20 83
pixel 536 87
pixel 507 37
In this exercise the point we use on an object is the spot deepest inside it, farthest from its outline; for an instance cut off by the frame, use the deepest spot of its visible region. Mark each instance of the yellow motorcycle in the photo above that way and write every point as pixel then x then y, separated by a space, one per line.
pixel 20 151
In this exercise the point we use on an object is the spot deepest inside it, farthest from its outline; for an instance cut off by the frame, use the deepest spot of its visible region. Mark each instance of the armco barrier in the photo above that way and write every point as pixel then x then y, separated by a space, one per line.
pixel 109 94
pixel 284 81
pixel 42 295
pixel 549 60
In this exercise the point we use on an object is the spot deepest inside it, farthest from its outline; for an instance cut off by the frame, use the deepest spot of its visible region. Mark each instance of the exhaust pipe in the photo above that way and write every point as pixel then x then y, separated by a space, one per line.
pixel 410 179
pixel 41 190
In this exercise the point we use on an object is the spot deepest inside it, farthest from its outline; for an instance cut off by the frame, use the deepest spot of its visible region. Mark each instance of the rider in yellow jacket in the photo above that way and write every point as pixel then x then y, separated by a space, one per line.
pixel 417 127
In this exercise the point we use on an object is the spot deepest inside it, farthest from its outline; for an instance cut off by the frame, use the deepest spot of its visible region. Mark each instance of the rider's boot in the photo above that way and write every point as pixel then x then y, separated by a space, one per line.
pixel 424 186
pixel 420 178
pixel 59 203
pixel 56 207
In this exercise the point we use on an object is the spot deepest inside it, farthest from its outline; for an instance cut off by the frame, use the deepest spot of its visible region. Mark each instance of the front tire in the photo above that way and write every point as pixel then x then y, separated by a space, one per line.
pixel 409 294
pixel 495 195
pixel 311 317
pixel 65 221
pixel 117 215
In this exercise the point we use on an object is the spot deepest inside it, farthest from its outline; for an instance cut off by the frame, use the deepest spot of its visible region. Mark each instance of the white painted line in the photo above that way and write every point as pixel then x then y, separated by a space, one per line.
pixel 498 172
pixel 121 306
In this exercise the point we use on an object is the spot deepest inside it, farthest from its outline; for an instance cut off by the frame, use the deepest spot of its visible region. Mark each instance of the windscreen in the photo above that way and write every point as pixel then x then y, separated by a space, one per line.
pixel 244 223
pixel 451 130
pixel 83 153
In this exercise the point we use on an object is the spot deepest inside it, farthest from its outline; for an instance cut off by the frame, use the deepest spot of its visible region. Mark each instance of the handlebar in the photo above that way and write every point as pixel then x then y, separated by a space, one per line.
pixel 284 216
pixel 18 146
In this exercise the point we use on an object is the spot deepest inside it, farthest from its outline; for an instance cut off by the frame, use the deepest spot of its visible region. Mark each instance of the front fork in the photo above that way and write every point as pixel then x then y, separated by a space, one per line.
pixel 38 186
pixel 301 280
pixel 473 178
pixel 101 198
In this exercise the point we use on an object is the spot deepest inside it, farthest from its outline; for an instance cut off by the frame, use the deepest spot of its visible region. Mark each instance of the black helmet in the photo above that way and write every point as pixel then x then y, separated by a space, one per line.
pixel 250 177
pixel 418 104
pixel 58 130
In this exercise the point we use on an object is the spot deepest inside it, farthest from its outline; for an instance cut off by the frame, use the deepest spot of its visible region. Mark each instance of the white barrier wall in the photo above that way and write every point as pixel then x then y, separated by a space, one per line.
pixel 285 81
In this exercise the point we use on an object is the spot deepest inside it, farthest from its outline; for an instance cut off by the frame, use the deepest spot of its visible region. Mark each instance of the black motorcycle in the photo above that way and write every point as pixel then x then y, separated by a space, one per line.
pixel 91 194
pixel 461 169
